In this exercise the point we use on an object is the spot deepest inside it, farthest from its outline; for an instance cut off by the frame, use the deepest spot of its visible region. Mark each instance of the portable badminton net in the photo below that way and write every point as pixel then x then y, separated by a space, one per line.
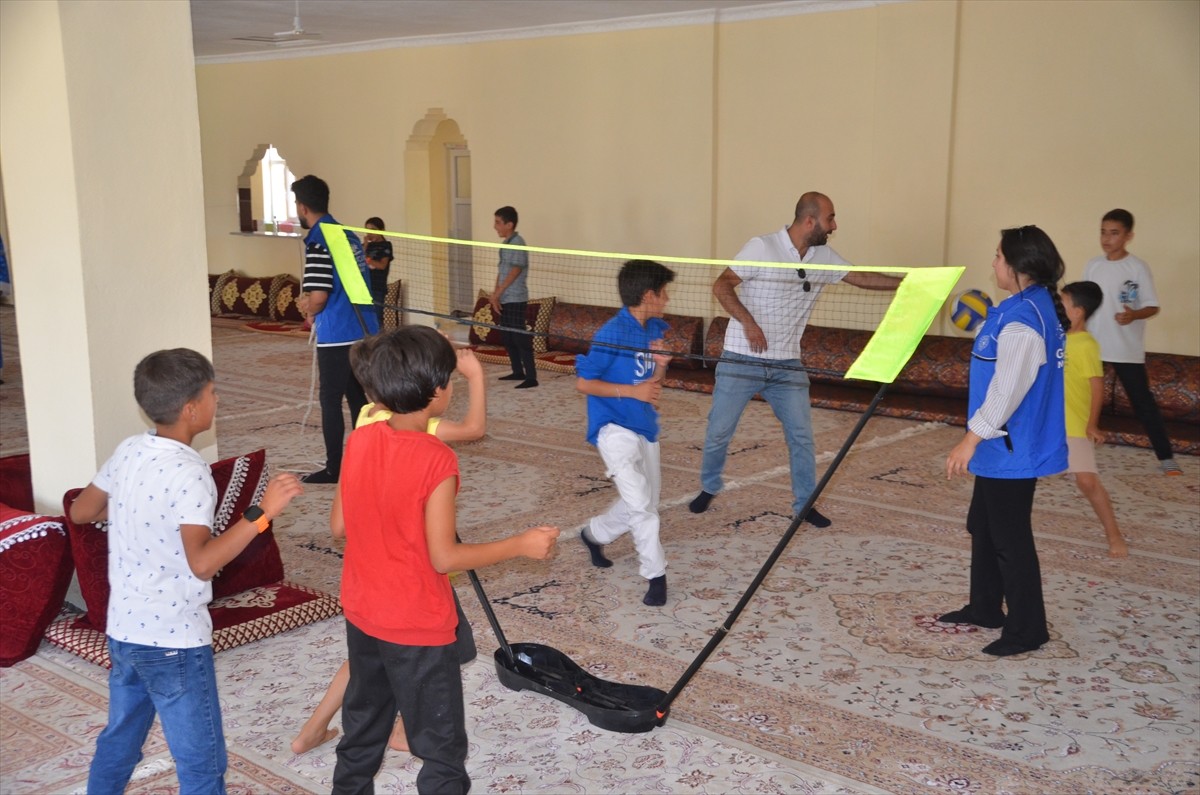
pixel 442 275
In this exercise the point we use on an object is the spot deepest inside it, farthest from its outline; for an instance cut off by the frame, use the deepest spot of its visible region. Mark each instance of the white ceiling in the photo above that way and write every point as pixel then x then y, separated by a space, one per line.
pixel 347 25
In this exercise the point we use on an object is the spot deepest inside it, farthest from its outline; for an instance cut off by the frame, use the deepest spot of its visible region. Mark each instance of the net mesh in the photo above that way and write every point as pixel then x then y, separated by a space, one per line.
pixel 450 280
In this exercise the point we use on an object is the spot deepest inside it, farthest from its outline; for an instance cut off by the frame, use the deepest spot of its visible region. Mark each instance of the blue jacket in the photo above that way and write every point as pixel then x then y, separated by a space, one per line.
pixel 337 323
pixel 1036 444
pixel 617 365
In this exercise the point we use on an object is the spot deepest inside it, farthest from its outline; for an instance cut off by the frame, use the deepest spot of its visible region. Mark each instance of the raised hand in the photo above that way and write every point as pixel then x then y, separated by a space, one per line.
pixel 282 489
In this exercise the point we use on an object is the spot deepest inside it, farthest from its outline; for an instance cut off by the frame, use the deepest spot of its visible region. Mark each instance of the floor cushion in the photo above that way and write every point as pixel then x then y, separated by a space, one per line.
pixel 16 483
pixel 237 620
pixel 537 319
pixel 35 571
pixel 240 483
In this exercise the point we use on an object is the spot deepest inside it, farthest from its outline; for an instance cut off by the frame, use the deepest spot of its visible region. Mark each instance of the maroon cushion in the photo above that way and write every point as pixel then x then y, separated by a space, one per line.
pixel 714 340
pixel 572 326
pixel 89 549
pixel 240 483
pixel 281 300
pixel 242 296
pixel 685 336
pixel 16 483
pixel 538 312
pixel 35 571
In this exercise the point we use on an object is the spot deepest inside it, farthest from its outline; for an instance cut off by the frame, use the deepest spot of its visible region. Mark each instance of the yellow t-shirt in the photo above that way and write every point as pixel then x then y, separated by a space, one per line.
pixel 1083 364
pixel 365 417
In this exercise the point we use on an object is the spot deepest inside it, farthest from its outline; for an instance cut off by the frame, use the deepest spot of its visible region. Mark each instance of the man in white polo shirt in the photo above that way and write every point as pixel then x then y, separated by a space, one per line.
pixel 768 310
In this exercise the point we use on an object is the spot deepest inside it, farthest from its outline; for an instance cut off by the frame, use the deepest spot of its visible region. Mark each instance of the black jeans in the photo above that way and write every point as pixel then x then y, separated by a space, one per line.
pixel 519 345
pixel 337 382
pixel 1132 376
pixel 1004 560
pixel 425 684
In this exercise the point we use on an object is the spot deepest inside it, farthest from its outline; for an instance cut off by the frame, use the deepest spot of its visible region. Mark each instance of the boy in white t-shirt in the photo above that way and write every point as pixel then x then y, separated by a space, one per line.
pixel 158 497
pixel 1120 325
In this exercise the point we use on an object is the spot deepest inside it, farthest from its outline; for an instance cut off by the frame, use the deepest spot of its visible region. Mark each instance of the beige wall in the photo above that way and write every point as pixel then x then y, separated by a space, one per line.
pixel 103 192
pixel 931 124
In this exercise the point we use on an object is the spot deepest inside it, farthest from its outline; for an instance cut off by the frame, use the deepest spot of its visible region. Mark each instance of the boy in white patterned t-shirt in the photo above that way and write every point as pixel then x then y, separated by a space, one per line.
pixel 158 496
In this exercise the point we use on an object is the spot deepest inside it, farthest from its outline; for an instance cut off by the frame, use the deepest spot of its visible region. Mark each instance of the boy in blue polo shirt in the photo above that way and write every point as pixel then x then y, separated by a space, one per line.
pixel 622 376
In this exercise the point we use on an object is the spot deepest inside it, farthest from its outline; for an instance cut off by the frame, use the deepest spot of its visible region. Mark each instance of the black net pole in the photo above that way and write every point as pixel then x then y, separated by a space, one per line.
pixel 723 630
pixel 487 610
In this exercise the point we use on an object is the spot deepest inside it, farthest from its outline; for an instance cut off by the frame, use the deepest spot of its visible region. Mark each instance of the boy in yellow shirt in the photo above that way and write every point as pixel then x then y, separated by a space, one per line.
pixel 1083 382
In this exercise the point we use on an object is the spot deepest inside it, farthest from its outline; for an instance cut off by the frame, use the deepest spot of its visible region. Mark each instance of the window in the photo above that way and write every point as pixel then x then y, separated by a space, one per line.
pixel 264 194
pixel 278 203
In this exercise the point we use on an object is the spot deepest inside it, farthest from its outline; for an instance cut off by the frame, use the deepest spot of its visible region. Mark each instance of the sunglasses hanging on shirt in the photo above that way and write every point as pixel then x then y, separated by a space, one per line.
pixel 800 272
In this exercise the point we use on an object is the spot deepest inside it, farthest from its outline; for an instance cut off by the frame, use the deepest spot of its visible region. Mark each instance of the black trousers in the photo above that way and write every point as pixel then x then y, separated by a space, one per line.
pixel 519 345
pixel 1132 376
pixel 425 684
pixel 337 383
pixel 1004 561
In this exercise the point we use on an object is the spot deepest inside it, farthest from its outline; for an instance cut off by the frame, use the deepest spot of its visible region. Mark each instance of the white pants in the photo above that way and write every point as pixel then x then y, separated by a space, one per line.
pixel 633 464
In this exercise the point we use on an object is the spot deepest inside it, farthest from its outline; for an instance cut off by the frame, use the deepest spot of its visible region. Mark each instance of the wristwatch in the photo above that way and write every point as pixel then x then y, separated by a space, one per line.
pixel 255 516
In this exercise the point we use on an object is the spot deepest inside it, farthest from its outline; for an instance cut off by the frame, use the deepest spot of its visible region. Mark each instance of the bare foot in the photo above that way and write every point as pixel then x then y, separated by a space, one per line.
pixel 399 739
pixel 1118 549
pixel 305 742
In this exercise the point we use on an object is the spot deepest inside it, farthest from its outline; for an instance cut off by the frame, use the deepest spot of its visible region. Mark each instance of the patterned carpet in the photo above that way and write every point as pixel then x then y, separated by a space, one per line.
pixel 835 678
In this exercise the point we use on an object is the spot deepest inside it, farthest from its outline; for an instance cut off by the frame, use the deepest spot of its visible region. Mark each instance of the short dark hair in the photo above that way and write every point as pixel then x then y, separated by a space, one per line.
pixel 408 365
pixel 639 275
pixel 313 193
pixel 165 381
pixel 1122 217
pixel 375 222
pixel 809 205
pixel 360 364
pixel 508 215
pixel 1086 295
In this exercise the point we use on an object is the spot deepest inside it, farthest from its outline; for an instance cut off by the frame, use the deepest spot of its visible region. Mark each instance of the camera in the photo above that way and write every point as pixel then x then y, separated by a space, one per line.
pixel 379 249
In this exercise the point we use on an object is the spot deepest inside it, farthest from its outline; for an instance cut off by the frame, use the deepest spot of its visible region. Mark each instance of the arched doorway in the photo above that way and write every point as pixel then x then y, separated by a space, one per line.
pixel 437 166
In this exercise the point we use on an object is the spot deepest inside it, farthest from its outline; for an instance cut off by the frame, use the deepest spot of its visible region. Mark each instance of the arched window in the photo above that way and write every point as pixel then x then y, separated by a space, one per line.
pixel 265 200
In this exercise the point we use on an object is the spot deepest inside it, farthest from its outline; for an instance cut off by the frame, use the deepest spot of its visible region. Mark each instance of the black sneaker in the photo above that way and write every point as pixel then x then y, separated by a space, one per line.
pixel 817 519
pixel 528 383
pixel 320 476
pixel 511 377
pixel 700 504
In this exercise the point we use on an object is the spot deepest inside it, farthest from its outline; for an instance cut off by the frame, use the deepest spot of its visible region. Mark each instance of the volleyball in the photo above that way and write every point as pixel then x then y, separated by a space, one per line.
pixel 970 308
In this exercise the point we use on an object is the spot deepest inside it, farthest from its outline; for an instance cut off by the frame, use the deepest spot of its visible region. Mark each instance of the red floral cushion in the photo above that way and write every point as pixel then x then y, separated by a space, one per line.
pixel 35 571
pixel 573 326
pixel 537 319
pixel 281 300
pixel 243 295
pixel 240 483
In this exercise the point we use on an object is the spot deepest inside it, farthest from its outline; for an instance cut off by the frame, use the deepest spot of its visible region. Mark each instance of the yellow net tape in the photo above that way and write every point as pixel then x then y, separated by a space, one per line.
pixel 917 301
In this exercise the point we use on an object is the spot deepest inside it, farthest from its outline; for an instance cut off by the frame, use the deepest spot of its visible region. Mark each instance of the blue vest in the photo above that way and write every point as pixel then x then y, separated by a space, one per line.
pixel 1036 444
pixel 619 366
pixel 338 322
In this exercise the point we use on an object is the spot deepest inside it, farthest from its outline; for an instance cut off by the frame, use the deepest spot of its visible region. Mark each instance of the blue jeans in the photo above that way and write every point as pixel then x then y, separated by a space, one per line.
pixel 739 379
pixel 181 685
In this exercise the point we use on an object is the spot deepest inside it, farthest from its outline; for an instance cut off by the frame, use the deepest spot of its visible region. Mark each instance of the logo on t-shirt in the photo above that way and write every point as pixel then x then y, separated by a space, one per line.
pixel 1129 293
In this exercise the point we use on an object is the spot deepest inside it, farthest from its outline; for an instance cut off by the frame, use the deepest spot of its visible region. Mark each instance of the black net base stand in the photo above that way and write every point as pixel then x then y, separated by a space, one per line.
pixel 614 706
pixel 723 630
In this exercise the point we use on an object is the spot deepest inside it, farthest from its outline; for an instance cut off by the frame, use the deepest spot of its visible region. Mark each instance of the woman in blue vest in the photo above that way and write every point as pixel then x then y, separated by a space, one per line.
pixel 1016 433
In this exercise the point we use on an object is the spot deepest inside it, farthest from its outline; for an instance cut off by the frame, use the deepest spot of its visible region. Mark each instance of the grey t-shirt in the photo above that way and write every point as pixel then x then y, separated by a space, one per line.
pixel 518 291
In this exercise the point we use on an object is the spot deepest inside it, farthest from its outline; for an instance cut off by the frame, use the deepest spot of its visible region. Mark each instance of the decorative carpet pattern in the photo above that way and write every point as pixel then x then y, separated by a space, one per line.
pixel 836 678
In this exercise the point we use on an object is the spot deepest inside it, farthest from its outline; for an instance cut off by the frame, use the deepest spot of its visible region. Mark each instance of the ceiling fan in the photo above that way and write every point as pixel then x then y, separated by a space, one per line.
pixel 294 36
